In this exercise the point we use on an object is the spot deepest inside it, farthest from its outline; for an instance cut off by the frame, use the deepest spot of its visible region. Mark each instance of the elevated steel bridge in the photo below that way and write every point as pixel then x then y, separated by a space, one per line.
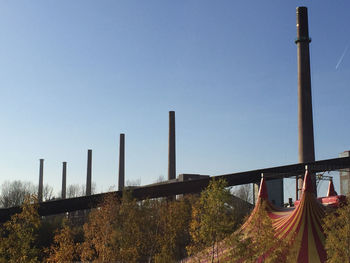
pixel 187 187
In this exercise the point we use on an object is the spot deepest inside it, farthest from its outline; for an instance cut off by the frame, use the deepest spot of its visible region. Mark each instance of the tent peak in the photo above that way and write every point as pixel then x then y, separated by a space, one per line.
pixel 331 191
pixel 307 187
pixel 263 188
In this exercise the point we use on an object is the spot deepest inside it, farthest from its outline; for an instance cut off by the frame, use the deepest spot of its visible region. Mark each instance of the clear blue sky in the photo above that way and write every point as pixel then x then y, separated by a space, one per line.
pixel 76 74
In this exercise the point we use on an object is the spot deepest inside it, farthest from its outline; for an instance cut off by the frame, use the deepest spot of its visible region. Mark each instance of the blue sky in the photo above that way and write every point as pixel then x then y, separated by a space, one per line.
pixel 76 74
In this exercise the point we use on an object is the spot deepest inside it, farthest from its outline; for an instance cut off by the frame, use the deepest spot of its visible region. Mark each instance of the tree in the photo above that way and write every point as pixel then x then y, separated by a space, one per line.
pixel 131 183
pixel 245 192
pixel 48 227
pixel 19 235
pixel 121 230
pixel 14 193
pixel 64 248
pixel 48 193
pixel 76 190
pixel 211 221
pixel 134 230
pixel 73 190
pixel 336 227
pixel 173 235
pixel 160 179
pixel 98 232
pixel 258 242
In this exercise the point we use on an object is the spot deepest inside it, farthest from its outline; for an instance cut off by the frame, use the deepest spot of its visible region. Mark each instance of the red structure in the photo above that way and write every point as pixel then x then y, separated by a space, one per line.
pixel 300 226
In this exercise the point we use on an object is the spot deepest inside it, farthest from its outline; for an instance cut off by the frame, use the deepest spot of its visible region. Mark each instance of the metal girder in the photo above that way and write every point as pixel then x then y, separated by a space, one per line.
pixel 175 188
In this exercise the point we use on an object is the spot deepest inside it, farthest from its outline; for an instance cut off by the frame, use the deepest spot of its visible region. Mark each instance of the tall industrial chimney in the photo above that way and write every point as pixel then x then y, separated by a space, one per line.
pixel 171 153
pixel 305 121
pixel 41 181
pixel 121 178
pixel 64 180
pixel 88 175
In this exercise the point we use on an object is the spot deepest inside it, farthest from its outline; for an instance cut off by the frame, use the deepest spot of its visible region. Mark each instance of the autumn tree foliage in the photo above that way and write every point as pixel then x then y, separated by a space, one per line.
pixel 211 222
pixel 19 235
pixel 257 242
pixel 126 230
pixel 173 230
pixel 120 230
pixel 133 234
pixel 336 226
pixel 64 248
pixel 98 231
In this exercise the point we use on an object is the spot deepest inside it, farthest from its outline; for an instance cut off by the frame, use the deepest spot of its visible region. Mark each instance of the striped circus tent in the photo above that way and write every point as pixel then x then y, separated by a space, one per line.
pixel 301 225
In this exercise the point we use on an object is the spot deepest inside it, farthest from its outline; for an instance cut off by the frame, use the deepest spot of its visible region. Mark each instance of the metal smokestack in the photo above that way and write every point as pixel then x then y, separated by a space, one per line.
pixel 305 120
pixel 88 175
pixel 121 178
pixel 41 181
pixel 172 152
pixel 64 180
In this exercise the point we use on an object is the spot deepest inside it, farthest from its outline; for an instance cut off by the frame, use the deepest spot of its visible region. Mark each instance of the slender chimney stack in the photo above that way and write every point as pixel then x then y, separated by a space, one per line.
pixel 172 152
pixel 305 121
pixel 121 178
pixel 88 175
pixel 41 181
pixel 64 180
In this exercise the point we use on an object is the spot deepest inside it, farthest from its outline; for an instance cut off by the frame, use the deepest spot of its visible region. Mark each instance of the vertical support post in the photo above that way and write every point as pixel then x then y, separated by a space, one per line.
pixel 305 120
pixel 64 180
pixel 297 177
pixel 255 191
pixel 172 151
pixel 121 177
pixel 41 181
pixel 88 175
